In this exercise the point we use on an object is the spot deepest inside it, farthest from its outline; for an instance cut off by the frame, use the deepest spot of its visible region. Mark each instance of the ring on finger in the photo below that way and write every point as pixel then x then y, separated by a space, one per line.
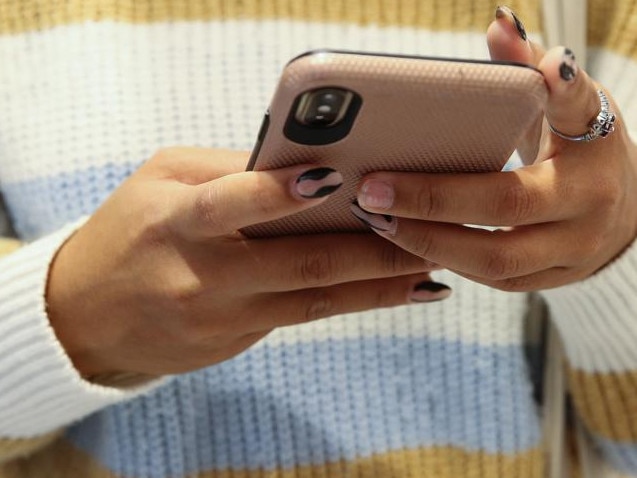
pixel 601 126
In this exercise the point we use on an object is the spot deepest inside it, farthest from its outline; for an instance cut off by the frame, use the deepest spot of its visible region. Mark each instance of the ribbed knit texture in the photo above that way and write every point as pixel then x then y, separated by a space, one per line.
pixel 41 391
pixel 456 15
pixel 89 90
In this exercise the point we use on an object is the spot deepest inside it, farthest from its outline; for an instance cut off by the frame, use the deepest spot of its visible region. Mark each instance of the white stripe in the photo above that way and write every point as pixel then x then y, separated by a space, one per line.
pixel 20 393
pixel 87 95
pixel 17 261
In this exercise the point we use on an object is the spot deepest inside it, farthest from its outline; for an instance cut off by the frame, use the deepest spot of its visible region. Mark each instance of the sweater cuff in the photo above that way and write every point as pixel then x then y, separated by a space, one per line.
pixel 40 389
pixel 597 317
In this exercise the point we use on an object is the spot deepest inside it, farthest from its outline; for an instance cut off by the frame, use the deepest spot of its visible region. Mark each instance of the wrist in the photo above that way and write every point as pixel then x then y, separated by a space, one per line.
pixel 68 309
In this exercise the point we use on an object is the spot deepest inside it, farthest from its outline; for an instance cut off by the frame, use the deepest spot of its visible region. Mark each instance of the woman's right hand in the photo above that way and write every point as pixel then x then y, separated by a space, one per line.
pixel 159 281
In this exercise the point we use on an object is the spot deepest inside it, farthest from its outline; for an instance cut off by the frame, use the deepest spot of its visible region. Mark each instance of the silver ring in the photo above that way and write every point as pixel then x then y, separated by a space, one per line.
pixel 600 127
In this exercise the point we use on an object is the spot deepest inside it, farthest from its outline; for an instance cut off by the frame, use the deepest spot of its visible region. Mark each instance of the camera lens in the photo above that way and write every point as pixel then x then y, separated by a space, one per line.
pixel 324 107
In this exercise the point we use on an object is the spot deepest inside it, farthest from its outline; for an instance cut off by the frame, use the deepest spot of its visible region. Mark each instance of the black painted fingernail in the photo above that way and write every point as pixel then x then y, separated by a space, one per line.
pixel 318 183
pixel 503 11
pixel 568 67
pixel 519 26
pixel 429 291
pixel 382 223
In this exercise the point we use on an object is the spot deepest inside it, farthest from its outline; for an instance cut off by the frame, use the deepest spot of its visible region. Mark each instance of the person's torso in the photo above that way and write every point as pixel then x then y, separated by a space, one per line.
pixel 429 390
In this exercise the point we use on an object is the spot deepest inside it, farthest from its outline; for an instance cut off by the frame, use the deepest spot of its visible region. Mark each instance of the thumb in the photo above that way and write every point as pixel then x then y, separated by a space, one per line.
pixel 507 41
pixel 573 100
pixel 226 204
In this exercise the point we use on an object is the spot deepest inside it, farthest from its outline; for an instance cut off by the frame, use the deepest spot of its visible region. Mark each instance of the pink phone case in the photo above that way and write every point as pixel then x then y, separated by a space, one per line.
pixel 415 114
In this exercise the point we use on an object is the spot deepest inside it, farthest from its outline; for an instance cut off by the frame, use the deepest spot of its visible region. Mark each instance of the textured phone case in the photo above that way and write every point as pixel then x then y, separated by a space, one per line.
pixel 417 114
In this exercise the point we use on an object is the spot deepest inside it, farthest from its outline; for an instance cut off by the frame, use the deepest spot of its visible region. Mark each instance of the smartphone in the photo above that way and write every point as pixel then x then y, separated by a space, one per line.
pixel 361 112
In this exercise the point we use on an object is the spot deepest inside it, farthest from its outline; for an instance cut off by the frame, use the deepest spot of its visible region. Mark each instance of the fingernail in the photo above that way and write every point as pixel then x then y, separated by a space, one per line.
pixel 381 223
pixel 505 12
pixel 568 67
pixel 376 194
pixel 429 291
pixel 318 183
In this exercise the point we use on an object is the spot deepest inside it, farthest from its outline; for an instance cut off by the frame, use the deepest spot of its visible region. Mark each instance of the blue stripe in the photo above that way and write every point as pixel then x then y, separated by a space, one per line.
pixel 42 205
pixel 621 455
pixel 277 407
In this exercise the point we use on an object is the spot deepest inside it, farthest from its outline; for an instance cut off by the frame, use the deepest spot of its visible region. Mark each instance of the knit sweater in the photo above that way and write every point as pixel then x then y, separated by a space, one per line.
pixel 90 89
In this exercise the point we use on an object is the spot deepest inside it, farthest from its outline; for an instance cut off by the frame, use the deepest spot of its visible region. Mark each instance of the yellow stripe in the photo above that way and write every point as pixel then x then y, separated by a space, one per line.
pixel 64 461
pixel 12 449
pixel 607 402
pixel 613 25
pixel 8 245
pixel 18 16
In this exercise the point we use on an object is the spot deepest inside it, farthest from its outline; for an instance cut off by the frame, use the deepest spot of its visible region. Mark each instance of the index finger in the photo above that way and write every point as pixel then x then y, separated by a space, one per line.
pixel 231 202
pixel 531 195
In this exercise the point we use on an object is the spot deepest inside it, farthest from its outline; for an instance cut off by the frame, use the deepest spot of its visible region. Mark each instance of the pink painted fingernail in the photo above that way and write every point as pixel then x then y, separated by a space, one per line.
pixel 376 194
pixel 429 291
pixel 381 223
pixel 318 183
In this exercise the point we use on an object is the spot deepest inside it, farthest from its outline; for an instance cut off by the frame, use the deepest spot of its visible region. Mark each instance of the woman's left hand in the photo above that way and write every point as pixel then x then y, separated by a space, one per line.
pixel 561 219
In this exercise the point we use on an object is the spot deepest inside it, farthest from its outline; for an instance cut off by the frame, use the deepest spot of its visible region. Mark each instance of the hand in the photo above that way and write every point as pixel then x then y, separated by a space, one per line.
pixel 567 215
pixel 159 281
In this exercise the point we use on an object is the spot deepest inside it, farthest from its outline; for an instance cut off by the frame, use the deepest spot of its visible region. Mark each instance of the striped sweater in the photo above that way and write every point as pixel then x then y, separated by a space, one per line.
pixel 90 89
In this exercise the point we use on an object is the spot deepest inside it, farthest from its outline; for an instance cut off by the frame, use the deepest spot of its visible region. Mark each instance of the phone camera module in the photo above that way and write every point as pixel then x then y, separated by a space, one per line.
pixel 323 108
pixel 322 116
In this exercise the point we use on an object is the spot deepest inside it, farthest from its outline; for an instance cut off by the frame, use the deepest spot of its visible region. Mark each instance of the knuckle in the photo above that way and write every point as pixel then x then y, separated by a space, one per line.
pixel 164 154
pixel 395 260
pixel 429 201
pixel 517 205
pixel 502 263
pixel 317 267
pixel 154 229
pixel 607 193
pixel 155 235
pixel 164 157
pixel 208 210
pixel 319 305
pixel 424 244
pixel 183 294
